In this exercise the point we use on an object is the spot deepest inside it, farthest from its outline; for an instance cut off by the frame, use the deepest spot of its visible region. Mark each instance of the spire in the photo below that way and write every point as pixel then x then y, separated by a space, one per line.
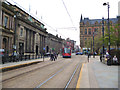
pixel 81 18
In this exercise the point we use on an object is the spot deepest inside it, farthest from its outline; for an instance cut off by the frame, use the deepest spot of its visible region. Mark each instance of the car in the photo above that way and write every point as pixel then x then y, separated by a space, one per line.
pixel 79 53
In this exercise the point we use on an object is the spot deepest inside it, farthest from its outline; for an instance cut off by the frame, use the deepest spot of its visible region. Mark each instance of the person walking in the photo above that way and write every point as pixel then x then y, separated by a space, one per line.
pixel 51 56
pixel 88 57
pixel 54 56
pixel 115 60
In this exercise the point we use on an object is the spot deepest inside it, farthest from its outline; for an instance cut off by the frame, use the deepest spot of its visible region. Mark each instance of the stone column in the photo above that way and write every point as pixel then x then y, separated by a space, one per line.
pixel 1 41
pixel 0 24
pixel 39 43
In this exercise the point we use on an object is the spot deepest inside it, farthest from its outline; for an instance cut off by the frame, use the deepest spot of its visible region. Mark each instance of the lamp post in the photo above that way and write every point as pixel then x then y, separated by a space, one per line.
pixel 93 43
pixel 104 4
pixel 103 34
pixel 14 46
pixel 93 46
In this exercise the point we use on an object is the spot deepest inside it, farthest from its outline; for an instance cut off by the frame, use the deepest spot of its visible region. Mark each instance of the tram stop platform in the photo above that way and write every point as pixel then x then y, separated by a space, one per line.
pixel 95 74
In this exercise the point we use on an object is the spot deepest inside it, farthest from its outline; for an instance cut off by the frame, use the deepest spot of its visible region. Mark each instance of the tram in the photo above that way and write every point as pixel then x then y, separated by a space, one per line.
pixel 66 52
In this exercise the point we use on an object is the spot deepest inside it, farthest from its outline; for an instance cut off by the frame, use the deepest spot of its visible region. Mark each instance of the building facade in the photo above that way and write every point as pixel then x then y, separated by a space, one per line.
pixel 7 28
pixel 30 34
pixel 25 35
pixel 53 43
pixel 89 27
pixel 21 33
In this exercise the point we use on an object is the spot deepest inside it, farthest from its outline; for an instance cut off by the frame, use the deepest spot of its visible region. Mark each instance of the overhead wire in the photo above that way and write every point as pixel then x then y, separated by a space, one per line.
pixel 68 13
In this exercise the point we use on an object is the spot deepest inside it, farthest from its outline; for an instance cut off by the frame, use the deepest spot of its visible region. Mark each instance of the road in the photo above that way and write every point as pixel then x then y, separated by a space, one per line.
pixel 62 73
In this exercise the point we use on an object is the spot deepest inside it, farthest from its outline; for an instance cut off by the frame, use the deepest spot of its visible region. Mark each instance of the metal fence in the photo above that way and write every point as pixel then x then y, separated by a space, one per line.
pixel 6 59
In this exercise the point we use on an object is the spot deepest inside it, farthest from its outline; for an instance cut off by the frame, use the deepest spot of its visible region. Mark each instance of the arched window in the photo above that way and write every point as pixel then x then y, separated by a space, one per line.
pixel 85 31
pixel 89 31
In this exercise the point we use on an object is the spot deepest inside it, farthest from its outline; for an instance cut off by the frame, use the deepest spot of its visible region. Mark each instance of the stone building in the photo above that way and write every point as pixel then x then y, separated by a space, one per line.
pixel 7 28
pixel 21 32
pixel 53 43
pixel 90 26
pixel 30 33
pixel 24 34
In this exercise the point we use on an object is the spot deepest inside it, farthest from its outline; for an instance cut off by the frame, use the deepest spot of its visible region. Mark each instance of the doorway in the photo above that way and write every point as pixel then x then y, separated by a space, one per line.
pixel 21 48
pixel 36 50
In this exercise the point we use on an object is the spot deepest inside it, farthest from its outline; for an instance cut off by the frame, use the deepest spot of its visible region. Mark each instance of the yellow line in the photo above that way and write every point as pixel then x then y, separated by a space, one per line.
pixel 80 75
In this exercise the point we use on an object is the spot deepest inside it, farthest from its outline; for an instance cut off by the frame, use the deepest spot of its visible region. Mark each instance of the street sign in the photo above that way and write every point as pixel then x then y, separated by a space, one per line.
pixel 14 46
pixel 43 48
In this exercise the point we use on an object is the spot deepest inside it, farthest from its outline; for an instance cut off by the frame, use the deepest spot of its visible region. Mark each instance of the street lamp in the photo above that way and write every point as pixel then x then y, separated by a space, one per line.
pixel 14 46
pixel 103 34
pixel 93 43
pixel 104 4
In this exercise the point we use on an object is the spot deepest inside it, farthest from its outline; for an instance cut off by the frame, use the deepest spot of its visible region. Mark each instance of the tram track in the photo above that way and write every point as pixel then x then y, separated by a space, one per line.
pixel 60 70
pixel 59 74
pixel 61 64
pixel 18 75
pixel 68 83
pixel 51 77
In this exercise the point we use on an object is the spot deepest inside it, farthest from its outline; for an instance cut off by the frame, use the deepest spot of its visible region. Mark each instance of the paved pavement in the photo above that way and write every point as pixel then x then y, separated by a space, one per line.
pixel 96 74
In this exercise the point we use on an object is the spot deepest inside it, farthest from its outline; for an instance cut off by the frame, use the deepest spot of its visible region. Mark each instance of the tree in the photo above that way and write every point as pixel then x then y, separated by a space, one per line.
pixel 114 36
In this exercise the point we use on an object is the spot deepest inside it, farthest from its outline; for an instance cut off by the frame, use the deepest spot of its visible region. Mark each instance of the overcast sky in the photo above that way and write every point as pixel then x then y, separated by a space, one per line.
pixel 54 14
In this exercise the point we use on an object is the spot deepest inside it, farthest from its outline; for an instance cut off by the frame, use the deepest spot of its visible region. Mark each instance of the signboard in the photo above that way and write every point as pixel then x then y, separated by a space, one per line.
pixel 43 48
pixel 2 50
pixel 14 46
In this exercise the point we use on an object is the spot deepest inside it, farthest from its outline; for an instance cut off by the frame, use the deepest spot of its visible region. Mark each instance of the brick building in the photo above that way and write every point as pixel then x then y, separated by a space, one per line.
pixel 88 26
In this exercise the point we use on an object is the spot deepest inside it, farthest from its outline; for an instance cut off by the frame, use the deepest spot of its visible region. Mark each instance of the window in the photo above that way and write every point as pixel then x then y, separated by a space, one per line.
pixel 89 31
pixel 5 21
pixel 81 32
pixel 85 31
pixel 21 32
pixel 96 29
pixel 85 39
pixel 42 26
pixel 66 50
pixel 11 23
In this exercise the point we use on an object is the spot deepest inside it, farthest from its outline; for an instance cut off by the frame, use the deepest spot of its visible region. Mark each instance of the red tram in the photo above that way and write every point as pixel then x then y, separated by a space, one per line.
pixel 66 52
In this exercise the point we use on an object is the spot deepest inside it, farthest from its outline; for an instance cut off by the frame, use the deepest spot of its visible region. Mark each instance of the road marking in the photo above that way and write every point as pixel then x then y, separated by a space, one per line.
pixel 80 75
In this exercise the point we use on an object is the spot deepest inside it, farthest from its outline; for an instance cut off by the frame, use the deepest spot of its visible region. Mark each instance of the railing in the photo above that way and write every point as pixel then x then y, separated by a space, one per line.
pixel 7 59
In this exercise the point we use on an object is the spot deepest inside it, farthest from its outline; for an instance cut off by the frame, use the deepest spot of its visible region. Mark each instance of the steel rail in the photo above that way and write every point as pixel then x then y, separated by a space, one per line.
pixel 71 77
pixel 51 76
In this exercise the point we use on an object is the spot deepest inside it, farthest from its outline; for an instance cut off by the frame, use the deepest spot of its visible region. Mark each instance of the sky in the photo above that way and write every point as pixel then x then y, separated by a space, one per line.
pixel 62 17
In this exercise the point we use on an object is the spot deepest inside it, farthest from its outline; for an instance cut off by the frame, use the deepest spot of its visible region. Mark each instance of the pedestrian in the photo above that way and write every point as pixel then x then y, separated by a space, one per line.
pixel 88 57
pixel 51 56
pixel 54 56
pixel 115 60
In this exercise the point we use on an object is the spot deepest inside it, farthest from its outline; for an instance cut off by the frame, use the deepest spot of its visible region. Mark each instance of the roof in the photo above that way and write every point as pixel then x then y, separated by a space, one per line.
pixel 92 21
